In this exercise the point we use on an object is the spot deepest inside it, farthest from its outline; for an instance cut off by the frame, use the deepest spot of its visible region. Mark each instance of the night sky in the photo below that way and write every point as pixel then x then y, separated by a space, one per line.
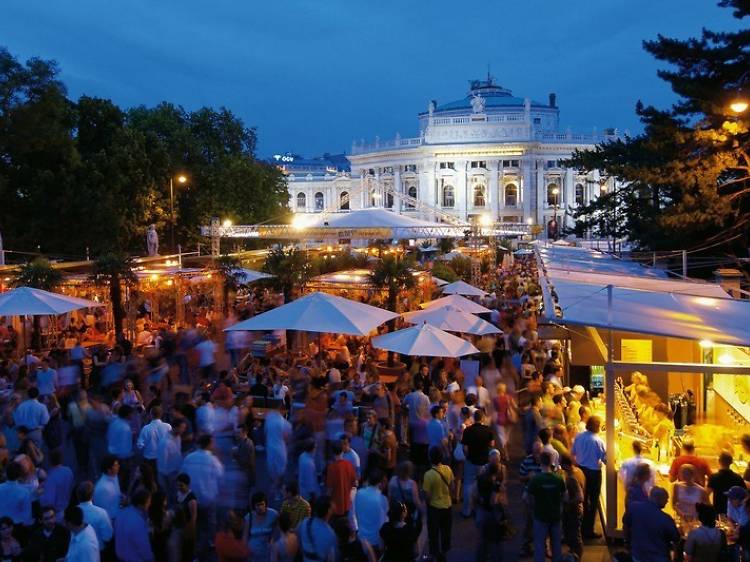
pixel 314 75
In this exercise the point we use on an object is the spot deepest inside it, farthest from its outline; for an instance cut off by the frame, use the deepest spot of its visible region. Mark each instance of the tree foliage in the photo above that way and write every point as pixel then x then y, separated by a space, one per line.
pixel 685 178
pixel 38 274
pixel 115 270
pixel 290 268
pixel 88 174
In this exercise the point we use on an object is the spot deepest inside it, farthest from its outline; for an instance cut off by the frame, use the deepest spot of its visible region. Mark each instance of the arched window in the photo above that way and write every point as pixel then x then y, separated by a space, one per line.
pixel 479 195
pixel 511 195
pixel 553 195
pixel 389 200
pixel 301 200
pixel 411 191
pixel 374 197
pixel 448 196
pixel 579 194
pixel 344 201
pixel 319 201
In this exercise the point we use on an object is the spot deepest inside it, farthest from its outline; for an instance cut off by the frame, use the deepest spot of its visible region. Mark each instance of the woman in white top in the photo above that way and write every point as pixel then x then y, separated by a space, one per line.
pixel 686 493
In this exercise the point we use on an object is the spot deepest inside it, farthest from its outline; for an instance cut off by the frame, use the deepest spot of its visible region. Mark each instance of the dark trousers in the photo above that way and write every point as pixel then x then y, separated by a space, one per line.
pixel 439 522
pixel 591 499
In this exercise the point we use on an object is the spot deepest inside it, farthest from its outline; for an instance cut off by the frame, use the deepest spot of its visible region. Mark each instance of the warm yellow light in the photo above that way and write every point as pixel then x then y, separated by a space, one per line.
pixel 227 223
pixel 555 191
pixel 738 106
pixel 706 344
pixel 209 275
pixel 603 188
pixel 329 248
pixel 530 220
pixel 485 220
pixel 299 222
pixel 706 301
pixel 181 179
pixel 169 283
pixel 726 359
pixel 154 277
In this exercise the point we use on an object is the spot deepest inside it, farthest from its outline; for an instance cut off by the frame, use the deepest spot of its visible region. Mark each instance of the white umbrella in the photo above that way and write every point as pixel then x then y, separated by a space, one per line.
pixel 320 312
pixel 26 301
pixel 424 341
pixel 463 288
pixel 456 301
pixel 452 319
pixel 249 275
pixel 439 282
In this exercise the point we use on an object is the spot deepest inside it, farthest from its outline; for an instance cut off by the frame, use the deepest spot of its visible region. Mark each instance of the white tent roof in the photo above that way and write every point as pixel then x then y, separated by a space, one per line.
pixel 244 275
pixel 36 302
pixel 371 218
pixel 463 288
pixel 424 341
pixel 320 312
pixel 457 301
pixel 585 260
pixel 452 319
pixel 633 282
pixel 655 312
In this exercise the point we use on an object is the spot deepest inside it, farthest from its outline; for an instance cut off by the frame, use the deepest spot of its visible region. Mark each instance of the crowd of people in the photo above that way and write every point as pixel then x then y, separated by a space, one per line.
pixel 172 448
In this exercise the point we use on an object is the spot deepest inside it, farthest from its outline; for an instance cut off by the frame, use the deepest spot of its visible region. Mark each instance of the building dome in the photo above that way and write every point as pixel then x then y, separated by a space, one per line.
pixel 494 98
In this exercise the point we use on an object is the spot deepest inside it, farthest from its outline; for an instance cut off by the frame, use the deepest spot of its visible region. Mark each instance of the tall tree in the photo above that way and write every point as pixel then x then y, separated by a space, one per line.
pixel 228 269
pixel 290 269
pixel 394 275
pixel 685 179
pixel 115 271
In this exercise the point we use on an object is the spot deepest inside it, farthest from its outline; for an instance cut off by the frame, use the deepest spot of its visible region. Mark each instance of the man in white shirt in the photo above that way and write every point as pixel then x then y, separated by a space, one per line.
pixel 207 357
pixel 169 456
pixel 483 396
pixel 205 417
pixel 371 509
pixel 33 415
pixel 83 546
pixel 152 434
pixel 107 493
pixel 205 472
pixel 628 466
pixel 94 515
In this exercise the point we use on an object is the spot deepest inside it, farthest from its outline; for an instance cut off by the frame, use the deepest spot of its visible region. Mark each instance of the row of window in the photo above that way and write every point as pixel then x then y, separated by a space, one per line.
pixel 448 198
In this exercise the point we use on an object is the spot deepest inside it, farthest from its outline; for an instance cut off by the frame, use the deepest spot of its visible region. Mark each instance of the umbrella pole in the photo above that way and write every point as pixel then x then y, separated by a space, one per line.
pixel 320 350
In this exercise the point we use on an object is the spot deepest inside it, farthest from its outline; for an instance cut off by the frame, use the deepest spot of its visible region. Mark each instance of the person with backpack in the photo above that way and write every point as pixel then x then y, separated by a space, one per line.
pixel 317 539
pixel 437 485
pixel 351 548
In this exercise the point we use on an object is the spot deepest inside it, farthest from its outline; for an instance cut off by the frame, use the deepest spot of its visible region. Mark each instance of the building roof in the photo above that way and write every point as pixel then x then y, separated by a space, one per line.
pixel 494 95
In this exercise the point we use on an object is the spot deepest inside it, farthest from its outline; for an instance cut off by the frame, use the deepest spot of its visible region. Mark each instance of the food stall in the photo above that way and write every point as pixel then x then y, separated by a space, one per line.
pixel 685 342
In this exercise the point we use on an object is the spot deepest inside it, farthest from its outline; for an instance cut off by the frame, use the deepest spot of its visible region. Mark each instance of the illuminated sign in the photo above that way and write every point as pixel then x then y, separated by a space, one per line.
pixel 283 158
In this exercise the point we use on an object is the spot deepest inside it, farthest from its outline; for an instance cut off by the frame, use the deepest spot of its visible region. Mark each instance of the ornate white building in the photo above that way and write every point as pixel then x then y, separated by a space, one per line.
pixel 488 153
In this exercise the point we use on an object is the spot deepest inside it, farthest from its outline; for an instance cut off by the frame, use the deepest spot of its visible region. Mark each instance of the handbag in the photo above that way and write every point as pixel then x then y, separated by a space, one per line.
pixel 458 452
pixel 512 415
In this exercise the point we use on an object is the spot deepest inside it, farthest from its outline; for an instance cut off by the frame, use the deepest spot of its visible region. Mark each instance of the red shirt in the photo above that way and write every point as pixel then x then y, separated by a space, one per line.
pixel 229 548
pixel 340 479
pixel 702 470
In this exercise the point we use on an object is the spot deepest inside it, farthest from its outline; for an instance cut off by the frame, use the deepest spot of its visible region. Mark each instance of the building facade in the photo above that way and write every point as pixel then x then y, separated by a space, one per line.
pixel 489 153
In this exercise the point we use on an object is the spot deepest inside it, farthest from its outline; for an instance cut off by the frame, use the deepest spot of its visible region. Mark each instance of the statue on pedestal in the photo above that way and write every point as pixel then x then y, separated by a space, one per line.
pixel 152 241
pixel 477 103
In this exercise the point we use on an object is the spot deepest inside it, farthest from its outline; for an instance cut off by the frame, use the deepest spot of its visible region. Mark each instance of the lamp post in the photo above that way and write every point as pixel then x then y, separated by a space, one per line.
pixel 739 103
pixel 181 180
pixel 555 205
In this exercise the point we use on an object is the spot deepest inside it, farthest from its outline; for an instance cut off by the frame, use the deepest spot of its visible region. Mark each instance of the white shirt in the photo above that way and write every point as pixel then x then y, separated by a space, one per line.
pixel 99 520
pixel 204 418
pixel 205 472
pixel 120 438
pixel 107 495
pixel 32 414
pixel 83 546
pixel 628 466
pixel 352 456
pixel 371 511
pixel 151 435
pixel 169 454
pixel 225 421
pixel 207 349
pixel 482 394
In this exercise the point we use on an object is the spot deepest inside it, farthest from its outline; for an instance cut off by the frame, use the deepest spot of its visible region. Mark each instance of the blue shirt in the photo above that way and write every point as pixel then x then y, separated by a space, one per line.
pixel 16 502
pixel 46 381
pixel 316 536
pixel 652 532
pixel 131 536
pixel 57 489
pixel 589 451
pixel 120 438
pixel 32 414
pixel 436 432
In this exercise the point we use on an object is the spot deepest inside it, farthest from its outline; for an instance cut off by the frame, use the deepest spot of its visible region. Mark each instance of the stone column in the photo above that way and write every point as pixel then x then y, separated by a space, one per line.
pixel 527 189
pixel 541 192
pixel 461 202
pixel 493 193
pixel 398 204
pixel 570 194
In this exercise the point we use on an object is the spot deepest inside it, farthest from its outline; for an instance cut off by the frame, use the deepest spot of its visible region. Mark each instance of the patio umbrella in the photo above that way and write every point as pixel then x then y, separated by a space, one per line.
pixel 424 341
pixel 439 282
pixel 452 319
pixel 26 301
pixel 320 312
pixel 463 288
pixel 456 301
pixel 249 275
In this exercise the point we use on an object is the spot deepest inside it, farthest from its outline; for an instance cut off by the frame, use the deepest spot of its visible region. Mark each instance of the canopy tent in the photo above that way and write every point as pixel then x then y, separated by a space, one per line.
pixel 320 312
pixel 370 218
pixel 439 282
pixel 634 282
pixel 456 301
pixel 463 288
pixel 660 313
pixel 424 341
pixel 585 260
pixel 26 301
pixel 452 319
pixel 249 275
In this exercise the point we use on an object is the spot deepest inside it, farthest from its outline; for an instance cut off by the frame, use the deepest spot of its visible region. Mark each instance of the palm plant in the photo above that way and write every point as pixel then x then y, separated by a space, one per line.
pixel 38 274
pixel 114 270
pixel 392 274
pixel 290 268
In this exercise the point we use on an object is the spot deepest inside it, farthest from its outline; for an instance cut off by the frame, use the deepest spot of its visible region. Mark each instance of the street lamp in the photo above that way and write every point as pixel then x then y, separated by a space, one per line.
pixel 556 203
pixel 740 104
pixel 181 179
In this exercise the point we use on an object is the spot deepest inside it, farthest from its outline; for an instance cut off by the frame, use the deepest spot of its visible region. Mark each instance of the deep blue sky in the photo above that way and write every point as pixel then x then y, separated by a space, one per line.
pixel 313 75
